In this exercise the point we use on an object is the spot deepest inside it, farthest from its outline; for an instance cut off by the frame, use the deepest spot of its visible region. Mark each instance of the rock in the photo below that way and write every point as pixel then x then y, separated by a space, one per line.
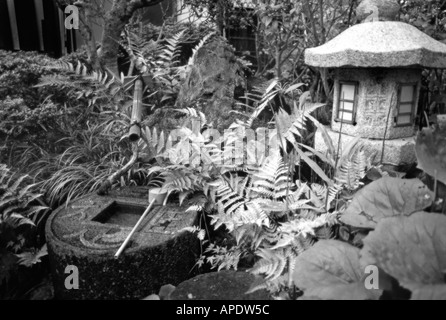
pixel 224 285
pixel 44 291
pixel 397 152
pixel 88 232
pixel 387 44
pixel 211 83
pixel 152 297
pixel 378 10
pixel 166 291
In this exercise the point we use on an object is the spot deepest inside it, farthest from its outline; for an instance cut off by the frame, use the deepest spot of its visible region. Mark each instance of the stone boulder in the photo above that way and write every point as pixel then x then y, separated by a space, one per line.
pixel 85 235
pixel 223 285
pixel 212 82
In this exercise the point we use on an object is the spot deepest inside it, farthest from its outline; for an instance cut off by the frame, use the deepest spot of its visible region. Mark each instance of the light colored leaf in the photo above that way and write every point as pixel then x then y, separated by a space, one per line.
pixel 410 249
pixel 28 259
pixel 433 292
pixel 331 270
pixel 387 197
pixel 431 152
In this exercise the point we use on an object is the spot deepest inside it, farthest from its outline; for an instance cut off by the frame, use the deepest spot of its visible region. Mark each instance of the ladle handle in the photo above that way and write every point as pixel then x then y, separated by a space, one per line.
pixel 127 240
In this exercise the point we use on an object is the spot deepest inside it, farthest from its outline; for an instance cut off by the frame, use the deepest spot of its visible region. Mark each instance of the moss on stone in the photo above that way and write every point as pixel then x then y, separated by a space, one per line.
pixel 158 254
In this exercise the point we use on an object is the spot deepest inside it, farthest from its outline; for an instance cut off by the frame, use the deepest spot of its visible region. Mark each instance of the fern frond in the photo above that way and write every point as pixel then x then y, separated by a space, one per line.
pixel 94 86
pixel 198 47
pixel 16 199
pixel 307 227
pixel 272 263
pixel 275 285
pixel 352 170
pixel 266 98
pixel 272 181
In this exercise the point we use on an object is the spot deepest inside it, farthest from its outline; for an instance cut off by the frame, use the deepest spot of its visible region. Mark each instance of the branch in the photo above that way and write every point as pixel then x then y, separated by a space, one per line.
pixel 107 184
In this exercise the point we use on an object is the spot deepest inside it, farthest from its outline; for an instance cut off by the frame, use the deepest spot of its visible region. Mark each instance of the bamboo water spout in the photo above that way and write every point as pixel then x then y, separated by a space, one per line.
pixel 135 125
pixel 134 137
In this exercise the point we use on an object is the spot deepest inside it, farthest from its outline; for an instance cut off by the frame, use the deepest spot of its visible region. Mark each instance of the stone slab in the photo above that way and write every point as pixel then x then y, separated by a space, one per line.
pixel 397 152
pixel 379 44
pixel 158 253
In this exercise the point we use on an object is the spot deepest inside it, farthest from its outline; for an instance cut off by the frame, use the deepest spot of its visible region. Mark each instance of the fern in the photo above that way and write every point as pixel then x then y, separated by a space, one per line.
pixel 272 263
pixel 20 212
pixel 272 181
pixel 291 128
pixel 16 200
pixel 352 170
pixel 197 48
pixel 279 284
pixel 195 230
pixel 171 51
pixel 97 86
pixel 32 257
pixel 223 258
pixel 272 217
pixel 153 145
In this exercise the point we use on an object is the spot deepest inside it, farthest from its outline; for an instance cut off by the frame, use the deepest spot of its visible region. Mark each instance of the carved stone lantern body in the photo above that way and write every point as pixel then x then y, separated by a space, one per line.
pixel 377 71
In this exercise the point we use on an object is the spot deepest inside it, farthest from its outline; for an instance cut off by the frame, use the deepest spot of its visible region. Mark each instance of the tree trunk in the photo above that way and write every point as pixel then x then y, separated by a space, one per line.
pixel 115 21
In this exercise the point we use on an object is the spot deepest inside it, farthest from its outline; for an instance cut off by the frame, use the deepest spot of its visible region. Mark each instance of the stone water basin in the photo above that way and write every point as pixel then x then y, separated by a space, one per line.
pixel 88 232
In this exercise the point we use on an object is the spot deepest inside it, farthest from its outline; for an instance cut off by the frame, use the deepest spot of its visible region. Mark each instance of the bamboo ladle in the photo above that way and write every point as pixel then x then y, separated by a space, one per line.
pixel 155 196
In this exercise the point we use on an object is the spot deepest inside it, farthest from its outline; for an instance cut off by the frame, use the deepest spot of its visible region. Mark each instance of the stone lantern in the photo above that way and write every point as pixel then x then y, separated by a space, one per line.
pixel 377 71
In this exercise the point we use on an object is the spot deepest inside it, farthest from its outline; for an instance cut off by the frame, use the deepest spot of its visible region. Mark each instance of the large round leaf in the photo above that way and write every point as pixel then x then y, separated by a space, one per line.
pixel 412 250
pixel 431 152
pixel 331 270
pixel 434 292
pixel 387 197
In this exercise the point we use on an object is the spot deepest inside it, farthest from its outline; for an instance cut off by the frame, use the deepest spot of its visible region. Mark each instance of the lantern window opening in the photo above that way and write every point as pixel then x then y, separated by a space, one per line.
pixel 406 105
pixel 347 106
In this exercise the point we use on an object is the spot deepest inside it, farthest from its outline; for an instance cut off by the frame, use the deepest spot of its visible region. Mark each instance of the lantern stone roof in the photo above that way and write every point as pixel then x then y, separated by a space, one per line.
pixel 379 42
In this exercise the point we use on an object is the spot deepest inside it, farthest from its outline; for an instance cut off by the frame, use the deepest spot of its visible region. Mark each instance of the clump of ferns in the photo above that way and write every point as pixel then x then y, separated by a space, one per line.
pixel 97 90
pixel 162 59
pixel 271 219
pixel 270 216
pixel 351 168
pixel 21 211
pixel 189 165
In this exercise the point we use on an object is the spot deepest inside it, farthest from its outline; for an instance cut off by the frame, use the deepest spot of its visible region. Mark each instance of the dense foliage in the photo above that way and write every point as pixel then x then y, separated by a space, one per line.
pixel 307 224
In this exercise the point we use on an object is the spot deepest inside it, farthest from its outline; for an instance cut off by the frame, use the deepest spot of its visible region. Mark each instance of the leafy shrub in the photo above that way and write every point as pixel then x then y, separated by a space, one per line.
pixel 70 141
pixel 21 213
pixel 19 73
pixel 17 206
pixel 22 217
pixel 33 116
pixel 94 153
pixel 404 244
pixel 268 217
pixel 17 119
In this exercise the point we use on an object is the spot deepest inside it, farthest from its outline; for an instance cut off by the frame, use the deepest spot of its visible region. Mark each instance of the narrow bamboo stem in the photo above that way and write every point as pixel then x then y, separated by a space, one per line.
pixel 127 240
pixel 135 129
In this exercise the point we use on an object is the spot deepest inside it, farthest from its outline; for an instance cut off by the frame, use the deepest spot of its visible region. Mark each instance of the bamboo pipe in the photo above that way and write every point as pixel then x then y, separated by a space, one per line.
pixel 135 126
pixel 127 240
